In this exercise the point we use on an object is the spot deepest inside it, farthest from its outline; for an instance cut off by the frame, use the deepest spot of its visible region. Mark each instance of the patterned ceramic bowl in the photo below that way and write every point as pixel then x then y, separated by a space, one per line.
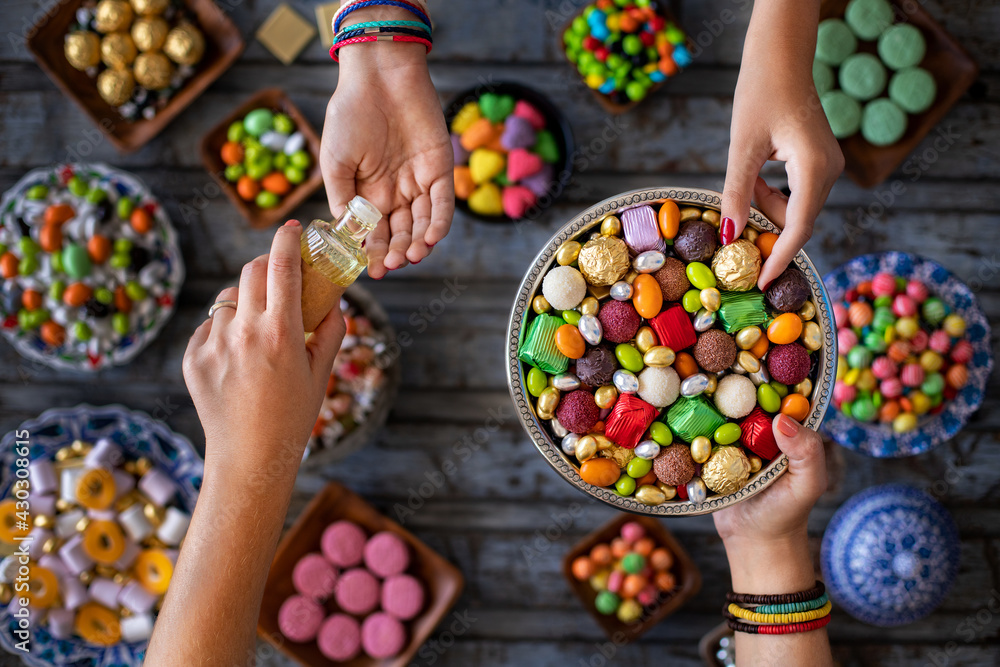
pixel 880 440
pixel 139 435
pixel 542 436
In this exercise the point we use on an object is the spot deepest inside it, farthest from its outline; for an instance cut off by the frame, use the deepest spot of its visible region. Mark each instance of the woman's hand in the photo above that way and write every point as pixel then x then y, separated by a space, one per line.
pixel 777 116
pixel 385 139
pixel 256 382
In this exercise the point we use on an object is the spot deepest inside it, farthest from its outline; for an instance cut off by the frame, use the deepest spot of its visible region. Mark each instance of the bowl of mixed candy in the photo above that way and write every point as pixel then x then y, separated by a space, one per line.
pixel 647 366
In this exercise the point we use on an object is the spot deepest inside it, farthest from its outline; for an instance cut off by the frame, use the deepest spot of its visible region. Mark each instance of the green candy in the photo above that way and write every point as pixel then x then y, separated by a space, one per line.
pixel 875 342
pixel 629 357
pixel 845 408
pixel 300 159
pixel 267 199
pixel 868 18
pixel 502 179
pixel 632 45
pixel 537 381
pixel 863 409
pixel 57 262
pixel 742 309
pixel 882 319
pixel 496 107
pixel 635 91
pixel 691 301
pixel 834 42
pixel 692 416
pixel 934 310
pixel 36 192
pixel 24 319
pixel 280 161
pixel 882 122
pixel 236 131
pixel 27 265
pixel 780 389
pixel 545 147
pixel 675 35
pixel 283 124
pixel 122 245
pixel 843 113
pixel 96 195
pixel 877 399
pixel 661 434
pixel 258 121
pixel 913 90
pixel 860 357
pixel 768 398
pixel 607 602
pixel 885 301
pixel 625 486
pixel 120 260
pixel 571 316
pixel 633 562
pixel 104 295
pixel 234 172
pixel 77 186
pixel 134 291
pixel 933 384
pixel 538 347
pixel 120 323
pixel 823 78
pixel 27 246
pixel 638 467
pixel 76 261
pixel 81 331
pixel 700 275
pixel 56 290
pixel 862 76
pixel 729 432
pixel 125 207
pixel 901 46
pixel 294 175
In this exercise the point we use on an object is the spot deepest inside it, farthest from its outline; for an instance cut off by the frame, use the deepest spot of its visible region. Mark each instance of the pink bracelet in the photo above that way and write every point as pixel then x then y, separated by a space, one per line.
pixel 377 38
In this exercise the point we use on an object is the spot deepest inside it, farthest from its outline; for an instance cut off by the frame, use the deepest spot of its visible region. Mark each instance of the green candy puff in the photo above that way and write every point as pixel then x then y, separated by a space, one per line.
pixel 823 77
pixel 868 18
pixel 901 46
pixel 834 42
pixel 862 76
pixel 545 147
pixel 882 122
pixel 913 90
pixel 496 107
pixel 842 112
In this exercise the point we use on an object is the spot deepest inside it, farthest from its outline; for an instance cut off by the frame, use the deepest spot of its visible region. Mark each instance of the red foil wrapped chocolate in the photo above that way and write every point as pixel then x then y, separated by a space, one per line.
pixel 674 329
pixel 758 436
pixel 629 420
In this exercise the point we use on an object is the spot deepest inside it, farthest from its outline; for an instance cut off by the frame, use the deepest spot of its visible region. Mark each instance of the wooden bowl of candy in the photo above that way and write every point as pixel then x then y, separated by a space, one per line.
pixel 349 585
pixel 133 66
pixel 645 364
pixel 915 354
pixel 363 383
pixel 631 574
pixel 265 157
pixel 111 496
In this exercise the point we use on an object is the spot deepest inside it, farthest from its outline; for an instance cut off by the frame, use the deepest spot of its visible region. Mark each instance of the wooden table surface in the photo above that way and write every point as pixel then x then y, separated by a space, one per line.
pixel 492 517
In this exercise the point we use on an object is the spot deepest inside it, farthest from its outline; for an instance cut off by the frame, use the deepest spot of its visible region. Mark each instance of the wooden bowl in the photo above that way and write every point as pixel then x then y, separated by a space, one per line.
pixel 259 218
pixel 709 644
pixel 442 581
pixel 687 574
pixel 223 45
pixel 953 71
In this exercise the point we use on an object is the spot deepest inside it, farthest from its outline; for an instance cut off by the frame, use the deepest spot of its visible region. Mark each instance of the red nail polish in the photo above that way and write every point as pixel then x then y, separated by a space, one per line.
pixel 417 262
pixel 727 230
pixel 788 426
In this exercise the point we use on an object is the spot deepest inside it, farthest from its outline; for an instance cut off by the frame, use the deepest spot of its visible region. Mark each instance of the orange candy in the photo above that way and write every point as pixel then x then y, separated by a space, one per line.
pixel 43 587
pixel 582 568
pixel 495 144
pixel 31 299
pixel 8 265
pixel 765 243
pixel 56 214
pixel 478 134
pixel 661 559
pixel 957 376
pixel 53 334
pixel 889 411
pixel 668 66
pixel 648 478
pixel 122 302
pixel 685 365
pixel 627 22
pixel 644 546
pixel 9 521
pixel 277 183
pixel 98 625
pixel 759 348
pixel 99 248
pixel 247 188
pixel 859 314
pixel 619 547
pixel 665 581
pixel 905 404
pixel 50 238
pixel 464 185
pixel 76 295
pixel 899 350
pixel 232 152
pixel 601 555
pixel 795 406
pixel 570 341
pixel 786 328
pixel 600 471
pixel 647 296
pixel 669 219
pixel 633 585
pixel 141 220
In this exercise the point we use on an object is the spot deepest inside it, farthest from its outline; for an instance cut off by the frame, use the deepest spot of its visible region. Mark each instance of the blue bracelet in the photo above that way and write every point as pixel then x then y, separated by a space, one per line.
pixel 350 31
pixel 413 9
pixel 792 607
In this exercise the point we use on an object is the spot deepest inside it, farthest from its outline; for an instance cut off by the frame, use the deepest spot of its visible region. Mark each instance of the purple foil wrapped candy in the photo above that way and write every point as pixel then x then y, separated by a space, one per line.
pixel 642 233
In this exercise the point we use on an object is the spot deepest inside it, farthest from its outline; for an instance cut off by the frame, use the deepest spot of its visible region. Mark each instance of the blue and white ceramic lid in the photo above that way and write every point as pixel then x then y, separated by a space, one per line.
pixel 890 555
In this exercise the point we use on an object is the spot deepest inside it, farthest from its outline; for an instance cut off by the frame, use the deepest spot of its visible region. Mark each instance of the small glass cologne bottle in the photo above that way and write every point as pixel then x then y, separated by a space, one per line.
pixel 333 257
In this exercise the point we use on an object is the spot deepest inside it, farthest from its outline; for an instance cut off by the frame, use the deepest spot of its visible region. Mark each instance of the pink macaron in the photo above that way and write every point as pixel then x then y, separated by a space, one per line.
pixel 382 636
pixel 357 591
pixel 402 596
pixel 314 577
pixel 299 618
pixel 386 554
pixel 339 638
pixel 343 543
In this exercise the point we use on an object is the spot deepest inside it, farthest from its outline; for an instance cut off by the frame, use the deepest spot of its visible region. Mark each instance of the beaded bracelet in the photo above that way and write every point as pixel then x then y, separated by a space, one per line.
pixel 350 32
pixel 378 38
pixel 738 626
pixel 347 8
pixel 783 598
pixel 792 606
pixel 794 617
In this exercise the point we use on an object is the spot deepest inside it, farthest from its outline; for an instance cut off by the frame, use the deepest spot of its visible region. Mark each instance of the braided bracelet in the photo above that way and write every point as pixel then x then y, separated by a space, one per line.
pixel 377 38
pixel 417 25
pixel 783 598
pixel 738 626
pixel 408 6
pixel 794 617
pixel 790 607
pixel 350 32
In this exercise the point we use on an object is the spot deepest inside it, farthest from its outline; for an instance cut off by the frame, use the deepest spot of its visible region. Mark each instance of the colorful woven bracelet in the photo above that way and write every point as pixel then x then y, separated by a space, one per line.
pixel 738 626
pixel 783 598
pixel 351 32
pixel 378 38
pixel 795 617
pixel 791 607
pixel 403 4
pixel 416 25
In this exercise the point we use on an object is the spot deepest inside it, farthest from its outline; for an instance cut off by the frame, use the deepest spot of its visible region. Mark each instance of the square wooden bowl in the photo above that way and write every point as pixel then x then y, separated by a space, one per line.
pixel 686 572
pixel 953 71
pixel 276 100
pixel 223 45
pixel 442 581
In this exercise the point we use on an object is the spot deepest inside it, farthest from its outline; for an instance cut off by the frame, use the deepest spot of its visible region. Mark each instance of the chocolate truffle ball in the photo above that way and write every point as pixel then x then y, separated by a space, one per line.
pixel 673 279
pixel 788 364
pixel 674 465
pixel 736 396
pixel 789 291
pixel 696 242
pixel 715 350
pixel 577 411
pixel 619 320
pixel 597 367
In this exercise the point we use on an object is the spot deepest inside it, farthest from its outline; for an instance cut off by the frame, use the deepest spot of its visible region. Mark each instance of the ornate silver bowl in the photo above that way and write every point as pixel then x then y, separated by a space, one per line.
pixel 516 371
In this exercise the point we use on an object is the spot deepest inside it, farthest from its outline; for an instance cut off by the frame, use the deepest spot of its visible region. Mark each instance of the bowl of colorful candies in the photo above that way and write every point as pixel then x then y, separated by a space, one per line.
pixel 99 498
pixel 647 366
pixel 513 151
pixel 363 383
pixel 625 50
pixel 915 354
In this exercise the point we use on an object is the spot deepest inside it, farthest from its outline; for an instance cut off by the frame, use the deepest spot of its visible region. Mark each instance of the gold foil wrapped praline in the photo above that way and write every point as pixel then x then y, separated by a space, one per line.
pixel 150 7
pixel 153 70
pixel 115 86
pixel 737 266
pixel 83 49
pixel 150 33
pixel 185 45
pixel 112 15
pixel 604 260
pixel 726 471
pixel 118 50
pixel 621 455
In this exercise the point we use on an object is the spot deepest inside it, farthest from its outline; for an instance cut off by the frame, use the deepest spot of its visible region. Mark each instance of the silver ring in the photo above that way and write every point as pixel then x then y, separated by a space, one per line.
pixel 225 303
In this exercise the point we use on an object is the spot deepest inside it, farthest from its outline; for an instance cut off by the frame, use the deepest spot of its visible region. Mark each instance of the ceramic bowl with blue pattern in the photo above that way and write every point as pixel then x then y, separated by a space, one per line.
pixel 139 435
pixel 890 555
pixel 879 440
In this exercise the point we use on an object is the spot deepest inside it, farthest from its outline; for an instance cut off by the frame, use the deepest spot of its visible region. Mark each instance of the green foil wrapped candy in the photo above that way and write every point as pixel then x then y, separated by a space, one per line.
pixel 539 345
pixel 742 309
pixel 692 416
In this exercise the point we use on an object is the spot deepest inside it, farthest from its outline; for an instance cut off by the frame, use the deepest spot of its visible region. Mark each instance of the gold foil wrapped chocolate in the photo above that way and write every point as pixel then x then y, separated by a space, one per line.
pixel 737 266
pixel 726 471
pixel 621 455
pixel 149 34
pixel 118 50
pixel 153 70
pixel 604 260
pixel 112 15
pixel 150 7
pixel 185 45
pixel 115 86
pixel 83 49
